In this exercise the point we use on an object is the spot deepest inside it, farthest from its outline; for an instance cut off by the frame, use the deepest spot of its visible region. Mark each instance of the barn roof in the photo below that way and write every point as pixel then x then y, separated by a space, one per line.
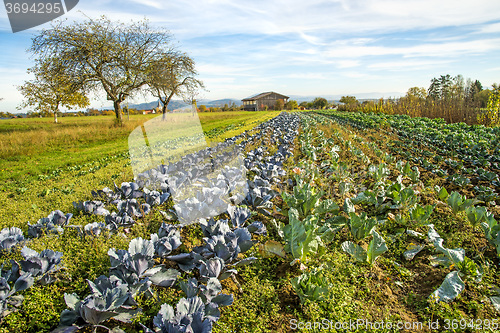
pixel 261 95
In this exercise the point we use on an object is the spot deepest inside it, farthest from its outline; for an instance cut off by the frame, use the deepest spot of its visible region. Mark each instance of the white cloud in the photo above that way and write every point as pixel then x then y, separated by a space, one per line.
pixel 313 20
pixel 212 69
pixel 490 28
pixel 355 75
pixel 347 63
pixel 451 49
pixel 307 76
pixel 150 3
pixel 407 65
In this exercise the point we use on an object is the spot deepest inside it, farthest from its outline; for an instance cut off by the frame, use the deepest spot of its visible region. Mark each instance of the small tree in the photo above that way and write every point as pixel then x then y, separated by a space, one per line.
pixel 291 105
pixel 417 93
pixel 493 113
pixel 52 88
pixel 320 103
pixel 348 100
pixel 350 103
pixel 173 75
pixel 203 108
pixel 279 105
pixel 482 98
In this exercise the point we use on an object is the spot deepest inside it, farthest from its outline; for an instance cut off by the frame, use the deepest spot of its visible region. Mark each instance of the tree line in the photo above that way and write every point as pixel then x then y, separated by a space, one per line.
pixel 452 98
pixel 101 56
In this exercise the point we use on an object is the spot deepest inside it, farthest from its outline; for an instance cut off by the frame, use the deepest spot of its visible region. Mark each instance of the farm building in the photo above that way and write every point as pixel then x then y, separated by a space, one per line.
pixel 260 101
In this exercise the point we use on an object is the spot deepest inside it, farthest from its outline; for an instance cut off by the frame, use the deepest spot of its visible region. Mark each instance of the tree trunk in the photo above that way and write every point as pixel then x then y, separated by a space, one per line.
pixel 118 113
pixel 164 112
pixel 165 105
pixel 55 112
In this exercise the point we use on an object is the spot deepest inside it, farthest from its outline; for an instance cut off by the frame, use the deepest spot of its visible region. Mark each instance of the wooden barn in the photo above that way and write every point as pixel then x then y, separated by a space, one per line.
pixel 260 101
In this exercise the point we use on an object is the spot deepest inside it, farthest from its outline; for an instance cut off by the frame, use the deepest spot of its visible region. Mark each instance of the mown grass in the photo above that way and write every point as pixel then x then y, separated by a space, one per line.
pixel 46 166
pixel 29 147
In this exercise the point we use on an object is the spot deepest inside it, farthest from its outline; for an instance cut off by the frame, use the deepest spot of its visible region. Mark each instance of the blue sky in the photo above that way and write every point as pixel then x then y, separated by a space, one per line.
pixel 297 47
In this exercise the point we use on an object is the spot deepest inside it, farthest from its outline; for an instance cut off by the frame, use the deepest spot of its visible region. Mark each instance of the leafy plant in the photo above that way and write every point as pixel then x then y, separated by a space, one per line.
pixel 210 294
pixel 155 198
pixel 379 172
pixel 216 258
pixel 137 263
pixel 190 316
pixel 458 203
pixel 38 265
pixel 491 230
pixel 414 174
pixel 448 257
pixel 91 207
pixel 302 237
pixel 451 287
pixel 476 215
pixel 421 214
pixel 361 226
pixel 95 229
pixel 131 207
pixel 129 190
pixel 376 247
pixel 305 198
pixel 166 240
pixel 485 193
pixel 8 301
pixel 49 225
pixel 112 300
pixel 312 286
pixel 10 237
pixel 107 194
pixel 259 198
pixel 442 193
pixel 407 198
pixel 459 180
pixel 378 200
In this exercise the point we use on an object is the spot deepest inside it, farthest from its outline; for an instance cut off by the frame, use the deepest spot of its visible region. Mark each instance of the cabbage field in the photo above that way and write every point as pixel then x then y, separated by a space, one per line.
pixel 335 221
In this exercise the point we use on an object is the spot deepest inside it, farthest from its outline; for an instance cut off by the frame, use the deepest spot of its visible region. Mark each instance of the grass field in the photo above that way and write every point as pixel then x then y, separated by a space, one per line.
pixel 44 165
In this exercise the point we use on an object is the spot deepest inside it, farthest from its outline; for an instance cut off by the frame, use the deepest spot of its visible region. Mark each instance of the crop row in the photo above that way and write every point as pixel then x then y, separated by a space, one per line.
pixel 339 188
pixel 468 156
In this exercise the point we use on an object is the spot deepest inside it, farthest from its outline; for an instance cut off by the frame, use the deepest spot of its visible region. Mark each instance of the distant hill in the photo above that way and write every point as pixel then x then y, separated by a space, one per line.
pixel 220 102
pixel 173 105
pixel 179 104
